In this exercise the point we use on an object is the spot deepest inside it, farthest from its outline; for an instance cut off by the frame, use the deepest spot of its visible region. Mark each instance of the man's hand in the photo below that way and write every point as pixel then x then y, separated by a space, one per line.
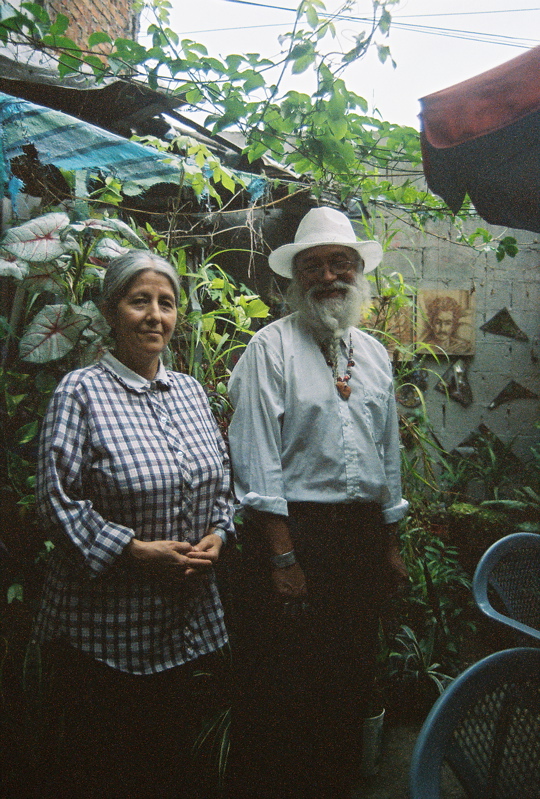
pixel 290 582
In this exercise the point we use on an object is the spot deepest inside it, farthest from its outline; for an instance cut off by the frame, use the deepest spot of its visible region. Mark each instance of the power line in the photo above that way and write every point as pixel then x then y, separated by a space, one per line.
pixel 485 38
pixel 464 13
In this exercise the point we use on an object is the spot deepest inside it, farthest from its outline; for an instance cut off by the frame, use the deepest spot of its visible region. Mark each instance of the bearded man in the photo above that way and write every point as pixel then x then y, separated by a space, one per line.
pixel 315 452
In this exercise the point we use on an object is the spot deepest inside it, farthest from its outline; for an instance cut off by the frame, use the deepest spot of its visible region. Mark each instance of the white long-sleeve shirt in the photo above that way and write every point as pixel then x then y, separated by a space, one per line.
pixel 293 438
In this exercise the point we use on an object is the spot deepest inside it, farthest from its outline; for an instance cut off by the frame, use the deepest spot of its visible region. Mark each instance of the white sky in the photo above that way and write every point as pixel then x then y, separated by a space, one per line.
pixel 492 32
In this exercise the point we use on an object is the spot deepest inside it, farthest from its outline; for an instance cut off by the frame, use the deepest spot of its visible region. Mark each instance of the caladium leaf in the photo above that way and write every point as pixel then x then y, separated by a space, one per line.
pixel 107 249
pixel 115 225
pixel 98 325
pixel 14 269
pixel 126 232
pixel 38 240
pixel 53 333
pixel 45 277
pixel 70 242
pixel 92 352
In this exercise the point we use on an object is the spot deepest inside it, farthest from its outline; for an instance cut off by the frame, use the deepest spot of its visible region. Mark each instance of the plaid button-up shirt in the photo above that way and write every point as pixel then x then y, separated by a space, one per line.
pixel 120 456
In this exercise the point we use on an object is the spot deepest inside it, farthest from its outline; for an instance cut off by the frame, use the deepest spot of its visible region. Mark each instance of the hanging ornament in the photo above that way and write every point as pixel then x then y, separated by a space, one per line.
pixel 454 382
pixel 414 384
pixel 409 395
pixel 512 391
pixel 502 324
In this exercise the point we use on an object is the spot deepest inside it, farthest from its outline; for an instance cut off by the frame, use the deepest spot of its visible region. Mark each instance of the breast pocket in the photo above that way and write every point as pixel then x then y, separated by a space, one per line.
pixel 376 412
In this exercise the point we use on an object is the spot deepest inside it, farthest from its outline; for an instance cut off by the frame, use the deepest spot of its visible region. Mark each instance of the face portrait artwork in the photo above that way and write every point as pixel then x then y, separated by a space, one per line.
pixel 446 321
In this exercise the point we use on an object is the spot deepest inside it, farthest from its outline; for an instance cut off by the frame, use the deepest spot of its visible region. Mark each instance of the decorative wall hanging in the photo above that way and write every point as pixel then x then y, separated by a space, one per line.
pixel 454 382
pixel 512 391
pixel 446 321
pixel 393 327
pixel 502 324
pixel 414 383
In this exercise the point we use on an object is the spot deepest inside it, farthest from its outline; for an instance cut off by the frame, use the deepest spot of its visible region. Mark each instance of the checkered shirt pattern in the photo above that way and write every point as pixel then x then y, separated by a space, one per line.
pixel 117 461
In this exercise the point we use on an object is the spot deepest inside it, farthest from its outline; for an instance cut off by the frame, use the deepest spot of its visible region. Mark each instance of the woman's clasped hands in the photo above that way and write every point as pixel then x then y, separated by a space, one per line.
pixel 188 558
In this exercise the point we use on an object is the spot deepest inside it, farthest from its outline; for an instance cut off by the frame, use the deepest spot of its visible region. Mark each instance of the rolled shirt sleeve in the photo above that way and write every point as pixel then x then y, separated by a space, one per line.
pixel 59 488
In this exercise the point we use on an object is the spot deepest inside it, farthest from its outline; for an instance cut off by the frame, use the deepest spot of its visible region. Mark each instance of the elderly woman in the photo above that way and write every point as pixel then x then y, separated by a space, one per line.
pixel 133 487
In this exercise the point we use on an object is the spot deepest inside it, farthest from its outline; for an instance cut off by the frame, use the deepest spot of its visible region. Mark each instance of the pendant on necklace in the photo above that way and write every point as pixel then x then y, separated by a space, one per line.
pixel 344 389
pixel 331 358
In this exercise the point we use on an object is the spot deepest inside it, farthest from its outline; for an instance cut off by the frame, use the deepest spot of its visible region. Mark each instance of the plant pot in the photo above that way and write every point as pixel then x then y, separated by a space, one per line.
pixel 372 736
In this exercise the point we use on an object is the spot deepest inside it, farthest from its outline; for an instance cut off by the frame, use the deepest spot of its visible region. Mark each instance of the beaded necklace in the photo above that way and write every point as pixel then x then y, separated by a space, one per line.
pixel 331 355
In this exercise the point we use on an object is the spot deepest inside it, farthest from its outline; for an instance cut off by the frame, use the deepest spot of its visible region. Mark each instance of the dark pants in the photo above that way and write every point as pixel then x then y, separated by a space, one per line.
pixel 304 673
pixel 114 735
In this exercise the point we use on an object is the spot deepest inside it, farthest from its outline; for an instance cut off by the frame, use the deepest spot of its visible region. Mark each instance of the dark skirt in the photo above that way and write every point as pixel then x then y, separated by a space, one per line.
pixel 114 735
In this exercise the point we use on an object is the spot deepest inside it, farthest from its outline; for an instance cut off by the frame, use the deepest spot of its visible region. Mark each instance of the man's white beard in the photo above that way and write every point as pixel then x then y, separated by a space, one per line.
pixel 330 317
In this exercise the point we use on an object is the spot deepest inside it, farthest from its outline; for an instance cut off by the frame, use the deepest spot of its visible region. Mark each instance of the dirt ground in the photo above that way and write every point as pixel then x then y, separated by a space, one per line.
pixel 393 778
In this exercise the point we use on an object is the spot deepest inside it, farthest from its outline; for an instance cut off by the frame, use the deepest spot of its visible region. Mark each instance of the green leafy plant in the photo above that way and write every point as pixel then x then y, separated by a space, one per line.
pixel 55 325
pixel 412 660
pixel 327 139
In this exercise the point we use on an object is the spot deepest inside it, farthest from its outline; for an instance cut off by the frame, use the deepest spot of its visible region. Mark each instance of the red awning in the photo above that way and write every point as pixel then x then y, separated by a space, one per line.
pixel 481 137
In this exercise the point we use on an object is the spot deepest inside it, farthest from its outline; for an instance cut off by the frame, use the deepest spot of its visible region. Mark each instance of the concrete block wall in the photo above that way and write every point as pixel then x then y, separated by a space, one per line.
pixel 438 261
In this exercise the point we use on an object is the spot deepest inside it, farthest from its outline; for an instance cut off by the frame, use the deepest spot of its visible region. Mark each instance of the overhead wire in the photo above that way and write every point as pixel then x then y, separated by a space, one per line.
pixel 485 38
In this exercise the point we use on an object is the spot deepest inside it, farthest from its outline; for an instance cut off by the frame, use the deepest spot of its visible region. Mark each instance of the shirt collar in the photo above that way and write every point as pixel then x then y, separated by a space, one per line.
pixel 131 379
pixel 344 338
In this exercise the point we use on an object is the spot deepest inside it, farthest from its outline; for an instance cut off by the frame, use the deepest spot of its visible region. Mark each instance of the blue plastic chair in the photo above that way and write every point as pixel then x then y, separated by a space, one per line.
pixel 486 727
pixel 510 570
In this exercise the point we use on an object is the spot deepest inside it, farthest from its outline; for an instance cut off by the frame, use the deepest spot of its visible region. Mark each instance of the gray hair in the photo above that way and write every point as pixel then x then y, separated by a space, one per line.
pixel 331 318
pixel 123 270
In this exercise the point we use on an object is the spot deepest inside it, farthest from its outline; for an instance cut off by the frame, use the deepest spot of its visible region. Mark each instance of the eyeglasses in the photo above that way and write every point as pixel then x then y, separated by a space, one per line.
pixel 338 266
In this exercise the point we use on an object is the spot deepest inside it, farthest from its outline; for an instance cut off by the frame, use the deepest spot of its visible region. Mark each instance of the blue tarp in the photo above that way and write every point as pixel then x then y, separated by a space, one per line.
pixel 69 143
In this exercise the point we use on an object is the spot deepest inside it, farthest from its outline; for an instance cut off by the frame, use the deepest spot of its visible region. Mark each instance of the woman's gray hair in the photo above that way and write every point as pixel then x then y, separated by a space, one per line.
pixel 123 270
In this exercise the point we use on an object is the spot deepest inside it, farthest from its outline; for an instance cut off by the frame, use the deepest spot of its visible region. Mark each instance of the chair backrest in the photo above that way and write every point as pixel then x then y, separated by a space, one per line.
pixel 511 568
pixel 486 727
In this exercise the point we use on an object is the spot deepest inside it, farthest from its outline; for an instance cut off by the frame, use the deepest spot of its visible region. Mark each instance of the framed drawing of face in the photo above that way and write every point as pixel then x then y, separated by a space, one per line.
pixel 445 321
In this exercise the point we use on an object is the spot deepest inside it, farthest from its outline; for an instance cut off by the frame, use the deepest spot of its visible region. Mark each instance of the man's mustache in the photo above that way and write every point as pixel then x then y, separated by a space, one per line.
pixel 323 288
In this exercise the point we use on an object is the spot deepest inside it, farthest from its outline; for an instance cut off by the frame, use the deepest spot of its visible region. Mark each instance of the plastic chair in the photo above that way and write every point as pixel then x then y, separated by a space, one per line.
pixel 486 727
pixel 511 568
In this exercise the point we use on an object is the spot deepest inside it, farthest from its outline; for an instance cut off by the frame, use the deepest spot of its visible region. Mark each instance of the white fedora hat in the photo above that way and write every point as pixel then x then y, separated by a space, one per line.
pixel 324 226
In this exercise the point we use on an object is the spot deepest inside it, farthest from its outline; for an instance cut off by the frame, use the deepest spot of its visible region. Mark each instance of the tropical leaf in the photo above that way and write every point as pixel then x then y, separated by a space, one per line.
pixel 106 249
pixel 92 351
pixel 27 432
pixel 125 231
pixel 38 240
pixel 70 242
pixel 14 269
pixel 53 333
pixel 115 225
pixel 253 307
pixel 45 277
pixel 98 326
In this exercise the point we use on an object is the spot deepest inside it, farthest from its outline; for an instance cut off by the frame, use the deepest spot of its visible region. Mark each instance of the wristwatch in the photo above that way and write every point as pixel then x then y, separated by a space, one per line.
pixel 282 561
